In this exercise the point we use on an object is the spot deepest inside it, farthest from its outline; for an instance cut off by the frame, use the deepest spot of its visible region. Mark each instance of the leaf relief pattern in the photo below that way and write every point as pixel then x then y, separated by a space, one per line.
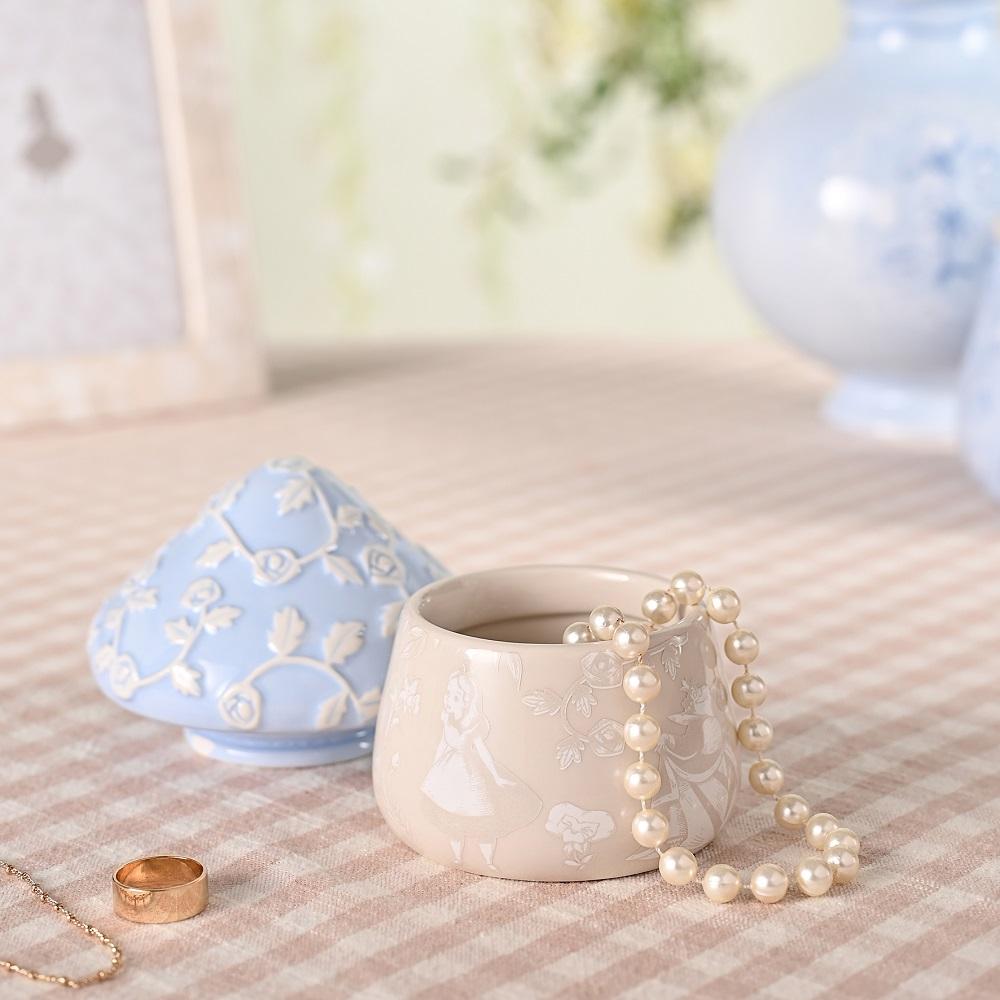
pixel 203 615
pixel 241 704
pixel 599 671
pixel 275 566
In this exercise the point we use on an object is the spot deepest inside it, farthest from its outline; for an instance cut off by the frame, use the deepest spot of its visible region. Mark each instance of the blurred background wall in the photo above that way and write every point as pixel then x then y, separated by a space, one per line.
pixel 353 116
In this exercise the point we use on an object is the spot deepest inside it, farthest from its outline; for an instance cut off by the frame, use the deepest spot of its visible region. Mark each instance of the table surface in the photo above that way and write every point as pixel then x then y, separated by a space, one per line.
pixel 869 571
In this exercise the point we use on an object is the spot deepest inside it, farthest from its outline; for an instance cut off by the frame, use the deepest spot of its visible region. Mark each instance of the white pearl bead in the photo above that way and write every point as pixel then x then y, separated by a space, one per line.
pixel 819 828
pixel 742 646
pixel 791 812
pixel 659 606
pixel 723 605
pixel 630 640
pixel 721 883
pixel 604 620
pixel 678 866
pixel 641 683
pixel 749 691
pixel 755 734
pixel 687 587
pixel 814 876
pixel 844 864
pixel 766 777
pixel 650 828
pixel 642 733
pixel 842 837
pixel 769 883
pixel 642 780
pixel 578 632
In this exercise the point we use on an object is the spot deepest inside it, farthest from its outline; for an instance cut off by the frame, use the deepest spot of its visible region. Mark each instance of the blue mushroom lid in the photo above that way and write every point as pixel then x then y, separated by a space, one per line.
pixel 274 613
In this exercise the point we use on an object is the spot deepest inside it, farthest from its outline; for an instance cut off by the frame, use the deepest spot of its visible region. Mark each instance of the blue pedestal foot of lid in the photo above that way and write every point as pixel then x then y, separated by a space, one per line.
pixel 261 750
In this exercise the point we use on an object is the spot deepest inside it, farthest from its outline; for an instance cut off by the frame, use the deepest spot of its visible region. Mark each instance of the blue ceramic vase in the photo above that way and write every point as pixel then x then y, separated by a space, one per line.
pixel 855 207
pixel 979 395
pixel 265 628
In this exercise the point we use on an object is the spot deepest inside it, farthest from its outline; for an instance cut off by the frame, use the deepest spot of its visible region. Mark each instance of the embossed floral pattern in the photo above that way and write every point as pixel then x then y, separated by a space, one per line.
pixel 240 704
pixel 921 199
pixel 200 594
pixel 138 598
pixel 124 676
pixel 608 738
pixel 579 830
pixel 379 525
pixel 668 655
pixel 200 598
pixel 404 699
pixel 301 490
pixel 383 566
pixel 274 566
pixel 186 679
pixel 600 670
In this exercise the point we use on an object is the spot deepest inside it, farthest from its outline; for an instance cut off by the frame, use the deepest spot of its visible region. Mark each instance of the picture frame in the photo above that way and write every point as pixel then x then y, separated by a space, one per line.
pixel 199 349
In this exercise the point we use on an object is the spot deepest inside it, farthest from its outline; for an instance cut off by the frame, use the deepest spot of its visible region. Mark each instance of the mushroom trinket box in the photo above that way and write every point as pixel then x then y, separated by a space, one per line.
pixel 265 628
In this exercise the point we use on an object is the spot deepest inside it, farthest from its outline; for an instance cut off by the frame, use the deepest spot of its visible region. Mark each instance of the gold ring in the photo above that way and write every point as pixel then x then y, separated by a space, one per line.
pixel 160 890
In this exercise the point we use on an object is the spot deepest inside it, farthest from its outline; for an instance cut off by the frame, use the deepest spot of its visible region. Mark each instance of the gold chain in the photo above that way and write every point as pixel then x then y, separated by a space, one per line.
pixel 73 984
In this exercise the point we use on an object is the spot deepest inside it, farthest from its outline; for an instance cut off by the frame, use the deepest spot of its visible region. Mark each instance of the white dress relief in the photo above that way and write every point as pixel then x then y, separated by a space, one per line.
pixel 703 766
pixel 469 795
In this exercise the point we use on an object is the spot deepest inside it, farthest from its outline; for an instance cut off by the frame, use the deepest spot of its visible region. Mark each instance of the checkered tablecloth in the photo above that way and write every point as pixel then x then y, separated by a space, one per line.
pixel 872 574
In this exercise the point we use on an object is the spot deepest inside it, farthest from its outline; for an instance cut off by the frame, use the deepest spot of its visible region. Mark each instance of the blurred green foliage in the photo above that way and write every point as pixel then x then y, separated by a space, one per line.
pixel 646 49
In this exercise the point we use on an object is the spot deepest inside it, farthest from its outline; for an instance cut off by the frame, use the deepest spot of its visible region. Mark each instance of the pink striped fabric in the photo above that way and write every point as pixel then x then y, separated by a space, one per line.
pixel 870 572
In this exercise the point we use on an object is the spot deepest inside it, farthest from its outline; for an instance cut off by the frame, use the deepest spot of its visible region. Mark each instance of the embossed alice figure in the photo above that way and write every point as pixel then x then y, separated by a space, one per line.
pixel 468 794
pixel 702 763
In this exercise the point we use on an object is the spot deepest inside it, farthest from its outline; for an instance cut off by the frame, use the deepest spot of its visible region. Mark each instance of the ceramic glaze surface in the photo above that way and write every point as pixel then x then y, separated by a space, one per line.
pixel 855 206
pixel 507 758
pixel 979 397
pixel 265 628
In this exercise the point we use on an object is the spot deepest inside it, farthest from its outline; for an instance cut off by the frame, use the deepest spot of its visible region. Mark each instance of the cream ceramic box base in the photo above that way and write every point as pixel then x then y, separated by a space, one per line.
pixel 500 750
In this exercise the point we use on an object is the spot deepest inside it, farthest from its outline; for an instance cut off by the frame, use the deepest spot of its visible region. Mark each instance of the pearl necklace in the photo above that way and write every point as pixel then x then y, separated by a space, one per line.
pixel 837 847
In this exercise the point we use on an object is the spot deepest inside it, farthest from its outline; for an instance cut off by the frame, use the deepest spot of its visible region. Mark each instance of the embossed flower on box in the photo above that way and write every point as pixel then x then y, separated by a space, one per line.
pixel 602 669
pixel 579 829
pixel 274 566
